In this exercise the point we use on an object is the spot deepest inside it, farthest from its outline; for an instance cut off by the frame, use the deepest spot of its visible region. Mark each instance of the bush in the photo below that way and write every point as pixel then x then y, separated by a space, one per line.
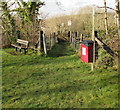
pixel 105 61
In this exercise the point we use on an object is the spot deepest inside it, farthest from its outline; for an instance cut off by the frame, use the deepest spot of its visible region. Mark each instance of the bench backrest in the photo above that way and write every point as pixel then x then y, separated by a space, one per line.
pixel 23 42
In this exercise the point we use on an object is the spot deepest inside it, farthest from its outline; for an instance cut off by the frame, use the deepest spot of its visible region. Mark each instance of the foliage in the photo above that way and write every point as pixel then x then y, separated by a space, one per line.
pixel 24 18
pixel 105 61
pixel 8 22
pixel 28 10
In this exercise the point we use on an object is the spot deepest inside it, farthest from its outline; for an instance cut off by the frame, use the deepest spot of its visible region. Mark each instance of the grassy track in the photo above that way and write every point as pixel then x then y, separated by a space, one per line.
pixel 59 80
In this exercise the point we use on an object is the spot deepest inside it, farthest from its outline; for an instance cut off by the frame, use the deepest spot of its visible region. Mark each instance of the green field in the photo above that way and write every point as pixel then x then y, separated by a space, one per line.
pixel 59 80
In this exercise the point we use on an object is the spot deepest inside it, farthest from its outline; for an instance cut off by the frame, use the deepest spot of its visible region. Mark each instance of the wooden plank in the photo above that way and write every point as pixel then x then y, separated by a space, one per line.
pixel 99 42
pixel 22 41
pixel 13 45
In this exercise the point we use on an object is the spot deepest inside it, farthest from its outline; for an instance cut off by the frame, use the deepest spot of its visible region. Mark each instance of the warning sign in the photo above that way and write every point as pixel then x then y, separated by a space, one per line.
pixel 69 22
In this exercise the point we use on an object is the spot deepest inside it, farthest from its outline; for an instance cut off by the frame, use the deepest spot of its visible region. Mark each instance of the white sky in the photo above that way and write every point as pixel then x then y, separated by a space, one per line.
pixel 68 6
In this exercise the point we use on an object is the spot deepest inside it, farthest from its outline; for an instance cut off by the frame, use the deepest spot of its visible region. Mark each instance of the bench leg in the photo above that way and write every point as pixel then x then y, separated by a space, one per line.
pixel 16 48
pixel 20 50
pixel 25 51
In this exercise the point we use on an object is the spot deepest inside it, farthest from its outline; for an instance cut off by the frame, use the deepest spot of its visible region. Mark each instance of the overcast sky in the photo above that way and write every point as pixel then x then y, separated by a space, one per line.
pixel 56 7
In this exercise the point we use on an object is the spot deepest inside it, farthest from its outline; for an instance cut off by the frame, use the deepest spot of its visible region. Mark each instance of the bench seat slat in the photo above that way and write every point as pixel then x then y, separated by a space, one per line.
pixel 22 41
pixel 20 47
pixel 13 45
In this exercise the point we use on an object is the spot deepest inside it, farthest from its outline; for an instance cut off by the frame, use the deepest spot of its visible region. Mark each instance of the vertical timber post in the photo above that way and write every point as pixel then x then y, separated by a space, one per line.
pixel 81 37
pixel 18 34
pixel 106 23
pixel 93 38
pixel 50 40
pixel 70 36
pixel 40 46
pixel 44 44
pixel 117 4
pixel 54 36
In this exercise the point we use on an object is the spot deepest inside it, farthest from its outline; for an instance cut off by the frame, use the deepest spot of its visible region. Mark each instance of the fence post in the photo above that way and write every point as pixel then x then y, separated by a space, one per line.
pixel 50 40
pixel 96 46
pixel 56 40
pixel 93 38
pixel 81 37
pixel 75 34
pixel 40 46
pixel 18 34
pixel 44 44
pixel 54 37
pixel 70 36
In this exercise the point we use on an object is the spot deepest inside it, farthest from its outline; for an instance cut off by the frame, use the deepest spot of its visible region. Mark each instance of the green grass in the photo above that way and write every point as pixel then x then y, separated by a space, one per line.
pixel 59 80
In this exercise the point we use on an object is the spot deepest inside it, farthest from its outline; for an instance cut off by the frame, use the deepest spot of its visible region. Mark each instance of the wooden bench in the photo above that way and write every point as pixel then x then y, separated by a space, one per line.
pixel 21 44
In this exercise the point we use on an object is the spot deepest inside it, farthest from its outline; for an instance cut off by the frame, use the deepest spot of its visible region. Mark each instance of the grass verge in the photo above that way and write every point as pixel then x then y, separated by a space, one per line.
pixel 59 80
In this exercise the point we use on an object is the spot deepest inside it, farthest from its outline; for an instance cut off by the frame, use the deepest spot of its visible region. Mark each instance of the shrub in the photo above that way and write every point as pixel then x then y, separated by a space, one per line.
pixel 105 61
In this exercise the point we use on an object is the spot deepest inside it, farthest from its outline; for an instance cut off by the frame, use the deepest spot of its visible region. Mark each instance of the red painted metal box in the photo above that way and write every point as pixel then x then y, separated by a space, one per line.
pixel 87 51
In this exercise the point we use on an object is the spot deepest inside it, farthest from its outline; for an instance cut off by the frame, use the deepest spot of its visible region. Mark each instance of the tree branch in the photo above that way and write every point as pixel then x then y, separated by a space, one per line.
pixel 106 7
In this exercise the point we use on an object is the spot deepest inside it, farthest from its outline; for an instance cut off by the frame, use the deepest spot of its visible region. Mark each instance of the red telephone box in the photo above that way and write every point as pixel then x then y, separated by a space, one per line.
pixel 87 51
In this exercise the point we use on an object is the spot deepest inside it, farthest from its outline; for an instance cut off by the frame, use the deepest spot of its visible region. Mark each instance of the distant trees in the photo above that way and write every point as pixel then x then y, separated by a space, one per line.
pixel 82 22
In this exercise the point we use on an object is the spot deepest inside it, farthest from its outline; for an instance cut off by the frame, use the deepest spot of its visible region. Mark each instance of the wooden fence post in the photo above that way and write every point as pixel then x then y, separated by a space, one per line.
pixel 96 46
pixel 54 37
pixel 117 3
pixel 93 38
pixel 75 43
pixel 81 37
pixel 44 44
pixel 56 40
pixel 50 40
pixel 18 34
pixel 40 46
pixel 70 36
pixel 106 21
pixel 76 34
